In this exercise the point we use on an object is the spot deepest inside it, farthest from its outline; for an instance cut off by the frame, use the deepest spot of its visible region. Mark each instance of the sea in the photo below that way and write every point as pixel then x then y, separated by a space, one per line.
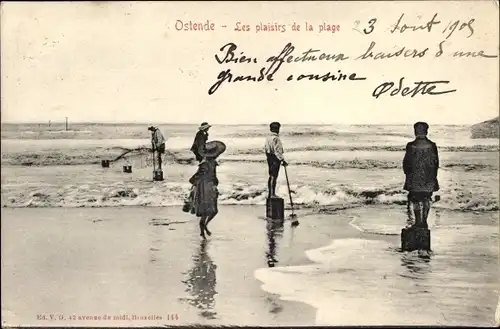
pixel 333 169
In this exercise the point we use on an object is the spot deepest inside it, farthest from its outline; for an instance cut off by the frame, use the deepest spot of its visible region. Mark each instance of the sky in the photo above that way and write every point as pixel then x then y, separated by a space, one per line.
pixel 126 62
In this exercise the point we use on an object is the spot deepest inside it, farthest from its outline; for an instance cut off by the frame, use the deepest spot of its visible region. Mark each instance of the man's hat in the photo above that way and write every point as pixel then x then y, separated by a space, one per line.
pixel 275 125
pixel 213 149
pixel 421 124
pixel 204 126
pixel 152 128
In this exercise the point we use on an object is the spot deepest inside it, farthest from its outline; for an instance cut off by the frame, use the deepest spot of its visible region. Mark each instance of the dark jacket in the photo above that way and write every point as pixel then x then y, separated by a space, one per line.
pixel 420 165
pixel 199 144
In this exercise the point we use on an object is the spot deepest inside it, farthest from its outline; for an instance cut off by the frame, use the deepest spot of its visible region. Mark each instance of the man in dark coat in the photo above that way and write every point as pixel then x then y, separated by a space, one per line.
pixel 420 165
pixel 200 140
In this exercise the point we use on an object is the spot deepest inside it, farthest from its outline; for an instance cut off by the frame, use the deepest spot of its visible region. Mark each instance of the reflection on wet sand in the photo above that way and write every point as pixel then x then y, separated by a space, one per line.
pixel 417 264
pixel 274 230
pixel 156 235
pixel 200 282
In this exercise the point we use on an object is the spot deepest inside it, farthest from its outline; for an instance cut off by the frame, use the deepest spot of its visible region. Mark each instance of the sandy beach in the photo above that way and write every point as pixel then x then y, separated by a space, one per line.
pixel 141 261
pixel 127 262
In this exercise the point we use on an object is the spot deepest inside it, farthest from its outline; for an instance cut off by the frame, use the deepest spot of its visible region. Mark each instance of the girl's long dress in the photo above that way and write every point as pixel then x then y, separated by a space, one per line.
pixel 205 189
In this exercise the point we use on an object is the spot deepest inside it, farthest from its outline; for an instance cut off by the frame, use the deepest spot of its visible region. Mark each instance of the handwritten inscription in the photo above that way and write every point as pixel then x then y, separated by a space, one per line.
pixel 402 27
pixel 403 52
pixel 328 76
pixel 421 87
pixel 452 26
pixel 268 68
pixel 228 55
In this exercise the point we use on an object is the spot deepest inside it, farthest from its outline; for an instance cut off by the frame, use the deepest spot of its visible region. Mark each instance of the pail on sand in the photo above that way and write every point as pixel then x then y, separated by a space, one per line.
pixel 415 238
pixel 127 169
pixel 275 208
pixel 105 163
pixel 158 175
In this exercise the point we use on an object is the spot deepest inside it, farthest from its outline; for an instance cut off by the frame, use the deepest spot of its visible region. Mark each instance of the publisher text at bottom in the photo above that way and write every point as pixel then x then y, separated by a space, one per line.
pixel 106 317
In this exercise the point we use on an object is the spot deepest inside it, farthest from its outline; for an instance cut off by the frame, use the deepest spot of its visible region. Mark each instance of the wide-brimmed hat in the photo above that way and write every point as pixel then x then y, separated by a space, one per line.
pixel 204 126
pixel 213 149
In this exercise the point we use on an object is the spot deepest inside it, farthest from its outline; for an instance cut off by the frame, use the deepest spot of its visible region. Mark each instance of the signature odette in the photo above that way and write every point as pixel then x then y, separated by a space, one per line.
pixel 421 87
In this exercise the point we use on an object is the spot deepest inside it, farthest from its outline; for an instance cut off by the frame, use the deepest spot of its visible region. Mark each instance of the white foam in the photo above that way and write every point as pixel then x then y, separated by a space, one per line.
pixel 233 194
pixel 344 283
pixel 365 282
pixel 353 224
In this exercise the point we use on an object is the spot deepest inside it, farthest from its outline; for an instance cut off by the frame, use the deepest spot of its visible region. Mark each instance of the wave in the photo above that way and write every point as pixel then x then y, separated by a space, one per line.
pixel 88 156
pixel 391 148
pixel 67 132
pixel 319 133
pixel 141 157
pixel 321 199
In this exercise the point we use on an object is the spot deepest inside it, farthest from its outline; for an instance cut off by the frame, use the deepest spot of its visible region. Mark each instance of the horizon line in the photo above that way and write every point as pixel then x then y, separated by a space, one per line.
pixel 225 124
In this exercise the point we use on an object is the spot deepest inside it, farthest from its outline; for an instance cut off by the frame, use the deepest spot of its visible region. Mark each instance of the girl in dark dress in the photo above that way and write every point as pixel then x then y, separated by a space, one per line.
pixel 205 182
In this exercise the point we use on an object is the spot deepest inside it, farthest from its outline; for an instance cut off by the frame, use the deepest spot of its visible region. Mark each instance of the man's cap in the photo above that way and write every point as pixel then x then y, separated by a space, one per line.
pixel 275 125
pixel 421 125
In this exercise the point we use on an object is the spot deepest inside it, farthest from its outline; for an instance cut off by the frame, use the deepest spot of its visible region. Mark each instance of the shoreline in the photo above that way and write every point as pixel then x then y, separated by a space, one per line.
pixel 326 210
pixel 411 260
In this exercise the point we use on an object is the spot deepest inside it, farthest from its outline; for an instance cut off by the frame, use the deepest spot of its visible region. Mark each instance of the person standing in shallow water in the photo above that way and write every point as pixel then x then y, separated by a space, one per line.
pixel 205 182
pixel 420 165
pixel 274 154
pixel 200 140
pixel 158 142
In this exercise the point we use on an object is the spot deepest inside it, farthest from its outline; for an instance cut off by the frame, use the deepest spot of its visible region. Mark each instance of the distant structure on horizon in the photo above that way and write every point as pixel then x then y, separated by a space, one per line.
pixel 486 129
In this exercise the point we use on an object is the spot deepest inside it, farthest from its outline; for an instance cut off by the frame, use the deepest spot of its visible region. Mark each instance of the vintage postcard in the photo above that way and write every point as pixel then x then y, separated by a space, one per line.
pixel 250 163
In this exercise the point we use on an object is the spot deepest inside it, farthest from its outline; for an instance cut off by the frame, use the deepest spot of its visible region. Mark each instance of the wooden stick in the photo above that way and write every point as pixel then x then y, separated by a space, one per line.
pixel 289 191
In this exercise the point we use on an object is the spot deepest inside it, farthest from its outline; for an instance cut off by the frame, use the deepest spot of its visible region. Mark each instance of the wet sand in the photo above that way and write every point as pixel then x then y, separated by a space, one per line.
pixel 151 262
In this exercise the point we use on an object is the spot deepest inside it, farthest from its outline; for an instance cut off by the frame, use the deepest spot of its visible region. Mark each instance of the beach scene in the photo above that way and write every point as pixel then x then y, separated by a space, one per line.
pixel 76 235
pixel 271 164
